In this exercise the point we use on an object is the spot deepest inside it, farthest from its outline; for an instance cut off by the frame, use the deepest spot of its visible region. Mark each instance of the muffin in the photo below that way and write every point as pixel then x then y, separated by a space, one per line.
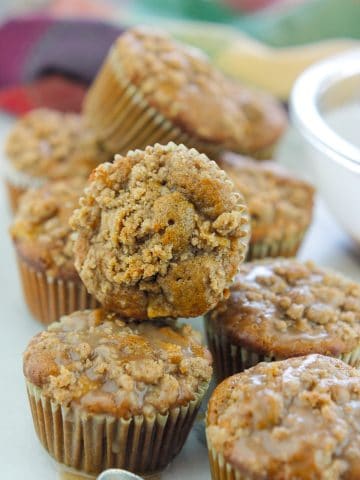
pixel 293 419
pixel 48 145
pixel 107 393
pixel 283 308
pixel 153 89
pixel 44 244
pixel 161 233
pixel 280 205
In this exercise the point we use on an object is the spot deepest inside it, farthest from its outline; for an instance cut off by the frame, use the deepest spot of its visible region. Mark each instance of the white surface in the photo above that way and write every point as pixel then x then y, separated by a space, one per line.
pixel 21 455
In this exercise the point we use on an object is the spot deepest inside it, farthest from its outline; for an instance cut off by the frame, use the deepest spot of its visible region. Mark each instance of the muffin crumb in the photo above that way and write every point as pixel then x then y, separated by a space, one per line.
pixel 160 233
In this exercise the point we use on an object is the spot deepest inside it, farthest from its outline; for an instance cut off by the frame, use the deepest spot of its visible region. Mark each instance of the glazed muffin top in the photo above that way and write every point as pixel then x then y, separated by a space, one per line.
pixel 95 360
pixel 298 418
pixel 180 83
pixel 161 232
pixel 53 145
pixel 41 231
pixel 278 202
pixel 285 308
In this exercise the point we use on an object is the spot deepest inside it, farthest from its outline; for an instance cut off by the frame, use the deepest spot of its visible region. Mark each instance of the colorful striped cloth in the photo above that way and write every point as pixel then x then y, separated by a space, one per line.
pixel 49 60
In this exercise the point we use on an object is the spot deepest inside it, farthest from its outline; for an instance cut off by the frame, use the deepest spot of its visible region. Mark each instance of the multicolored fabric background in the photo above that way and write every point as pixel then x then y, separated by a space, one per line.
pixel 48 57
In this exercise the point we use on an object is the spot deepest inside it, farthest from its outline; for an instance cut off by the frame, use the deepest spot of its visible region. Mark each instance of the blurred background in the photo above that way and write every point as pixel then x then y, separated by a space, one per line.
pixel 49 47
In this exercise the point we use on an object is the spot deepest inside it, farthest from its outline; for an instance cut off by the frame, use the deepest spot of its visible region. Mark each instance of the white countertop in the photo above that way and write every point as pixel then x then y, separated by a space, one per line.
pixel 21 455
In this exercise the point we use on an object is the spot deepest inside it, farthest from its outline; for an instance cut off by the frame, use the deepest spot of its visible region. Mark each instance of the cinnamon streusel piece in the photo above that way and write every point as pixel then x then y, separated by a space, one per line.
pixel 161 232
pixel 293 419
pixel 284 308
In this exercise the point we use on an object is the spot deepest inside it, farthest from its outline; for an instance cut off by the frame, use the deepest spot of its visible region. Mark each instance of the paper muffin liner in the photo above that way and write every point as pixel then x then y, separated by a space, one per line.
pixel 230 359
pixel 220 468
pixel 124 120
pixel 48 298
pixel 286 247
pixel 91 443
pixel 17 183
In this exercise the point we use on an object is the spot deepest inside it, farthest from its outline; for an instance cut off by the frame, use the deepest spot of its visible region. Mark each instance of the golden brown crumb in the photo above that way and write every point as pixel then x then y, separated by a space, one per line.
pixel 53 145
pixel 298 418
pixel 96 360
pixel 41 230
pixel 285 308
pixel 161 232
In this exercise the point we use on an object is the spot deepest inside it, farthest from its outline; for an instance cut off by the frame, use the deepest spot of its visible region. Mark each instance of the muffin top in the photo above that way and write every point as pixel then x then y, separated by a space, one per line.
pixel 161 232
pixel 297 418
pixel 278 202
pixel 95 360
pixel 180 83
pixel 53 145
pixel 285 308
pixel 41 230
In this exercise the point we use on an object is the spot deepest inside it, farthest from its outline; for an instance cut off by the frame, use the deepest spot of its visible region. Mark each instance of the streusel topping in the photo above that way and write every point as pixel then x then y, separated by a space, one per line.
pixel 278 202
pixel 96 360
pixel 298 418
pixel 53 145
pixel 286 308
pixel 180 82
pixel 41 230
pixel 161 232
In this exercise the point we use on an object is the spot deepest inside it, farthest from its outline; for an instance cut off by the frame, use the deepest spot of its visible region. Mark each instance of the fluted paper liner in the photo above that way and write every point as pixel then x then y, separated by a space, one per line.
pixel 286 247
pixel 123 119
pixel 230 359
pixel 220 469
pixel 91 443
pixel 17 183
pixel 48 298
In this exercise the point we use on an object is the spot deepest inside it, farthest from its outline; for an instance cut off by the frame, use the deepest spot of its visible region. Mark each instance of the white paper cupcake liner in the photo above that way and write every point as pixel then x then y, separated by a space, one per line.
pixel 220 469
pixel 17 183
pixel 230 359
pixel 286 247
pixel 91 443
pixel 50 298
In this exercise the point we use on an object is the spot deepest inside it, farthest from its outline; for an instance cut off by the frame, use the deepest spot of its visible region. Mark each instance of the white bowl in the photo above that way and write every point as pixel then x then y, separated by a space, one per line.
pixel 325 108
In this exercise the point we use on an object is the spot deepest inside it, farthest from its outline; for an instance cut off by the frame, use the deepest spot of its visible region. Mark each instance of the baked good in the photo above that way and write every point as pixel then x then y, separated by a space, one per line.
pixel 284 308
pixel 49 145
pixel 44 244
pixel 293 419
pixel 105 393
pixel 280 205
pixel 161 233
pixel 153 89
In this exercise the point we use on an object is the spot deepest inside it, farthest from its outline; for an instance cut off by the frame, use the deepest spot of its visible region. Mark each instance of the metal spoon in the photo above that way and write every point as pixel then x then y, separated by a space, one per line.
pixel 116 474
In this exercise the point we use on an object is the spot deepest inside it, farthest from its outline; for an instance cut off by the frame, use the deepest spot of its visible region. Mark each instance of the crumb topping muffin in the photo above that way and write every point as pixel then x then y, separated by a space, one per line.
pixel 41 230
pixel 285 308
pixel 297 418
pixel 53 145
pixel 180 82
pixel 95 360
pixel 280 205
pixel 161 232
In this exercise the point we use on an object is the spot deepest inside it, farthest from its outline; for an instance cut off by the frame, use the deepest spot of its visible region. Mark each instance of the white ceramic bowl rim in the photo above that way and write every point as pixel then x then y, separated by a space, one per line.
pixel 306 97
